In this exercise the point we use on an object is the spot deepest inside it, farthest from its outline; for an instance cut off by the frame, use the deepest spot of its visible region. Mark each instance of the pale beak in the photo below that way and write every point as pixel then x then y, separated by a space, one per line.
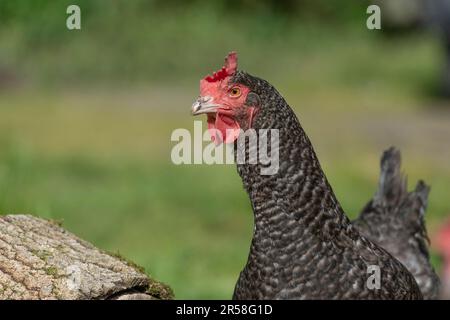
pixel 204 105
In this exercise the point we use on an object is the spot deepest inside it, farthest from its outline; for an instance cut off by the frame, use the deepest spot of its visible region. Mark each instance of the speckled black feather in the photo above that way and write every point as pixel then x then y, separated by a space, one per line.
pixel 303 246
pixel 395 220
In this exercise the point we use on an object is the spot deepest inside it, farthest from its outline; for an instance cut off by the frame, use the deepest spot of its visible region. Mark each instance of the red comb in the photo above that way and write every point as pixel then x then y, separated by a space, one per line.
pixel 228 69
pixel 217 76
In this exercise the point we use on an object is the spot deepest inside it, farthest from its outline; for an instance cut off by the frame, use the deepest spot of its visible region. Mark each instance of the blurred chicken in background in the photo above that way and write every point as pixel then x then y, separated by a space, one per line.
pixel 442 244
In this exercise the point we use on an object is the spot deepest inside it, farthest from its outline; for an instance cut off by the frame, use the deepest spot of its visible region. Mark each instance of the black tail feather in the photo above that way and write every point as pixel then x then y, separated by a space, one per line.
pixel 395 219
pixel 392 184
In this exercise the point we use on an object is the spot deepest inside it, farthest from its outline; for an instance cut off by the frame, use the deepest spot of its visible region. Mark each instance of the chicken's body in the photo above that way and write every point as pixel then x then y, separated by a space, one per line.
pixel 303 246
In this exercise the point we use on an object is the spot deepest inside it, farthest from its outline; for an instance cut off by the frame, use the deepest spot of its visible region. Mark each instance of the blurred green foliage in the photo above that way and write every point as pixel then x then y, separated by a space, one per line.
pixel 135 40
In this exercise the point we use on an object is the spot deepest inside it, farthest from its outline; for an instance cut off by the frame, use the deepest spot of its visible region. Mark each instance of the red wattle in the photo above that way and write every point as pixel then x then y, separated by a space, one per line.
pixel 223 128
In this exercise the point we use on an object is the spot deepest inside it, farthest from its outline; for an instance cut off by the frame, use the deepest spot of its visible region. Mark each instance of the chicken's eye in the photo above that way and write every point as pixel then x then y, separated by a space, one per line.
pixel 235 92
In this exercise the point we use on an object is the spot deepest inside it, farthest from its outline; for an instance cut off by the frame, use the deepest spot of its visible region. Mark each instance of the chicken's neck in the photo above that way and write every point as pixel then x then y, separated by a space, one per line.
pixel 297 201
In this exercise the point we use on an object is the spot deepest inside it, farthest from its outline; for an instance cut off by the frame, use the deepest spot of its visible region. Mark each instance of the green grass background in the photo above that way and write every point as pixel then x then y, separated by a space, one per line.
pixel 85 126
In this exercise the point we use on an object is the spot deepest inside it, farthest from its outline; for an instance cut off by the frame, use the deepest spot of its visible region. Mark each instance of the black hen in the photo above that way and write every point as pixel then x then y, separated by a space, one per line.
pixel 394 219
pixel 303 246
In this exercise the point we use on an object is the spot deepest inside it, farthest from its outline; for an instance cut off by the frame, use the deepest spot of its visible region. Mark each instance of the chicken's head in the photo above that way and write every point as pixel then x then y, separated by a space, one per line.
pixel 225 103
